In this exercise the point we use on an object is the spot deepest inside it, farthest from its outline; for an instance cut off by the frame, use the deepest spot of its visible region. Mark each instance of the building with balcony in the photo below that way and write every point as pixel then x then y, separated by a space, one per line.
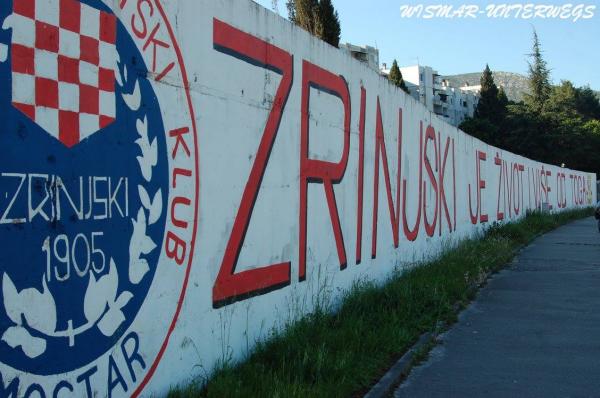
pixel 426 85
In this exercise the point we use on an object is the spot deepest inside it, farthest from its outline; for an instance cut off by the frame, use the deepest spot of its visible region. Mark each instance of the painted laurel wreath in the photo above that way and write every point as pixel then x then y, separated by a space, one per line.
pixel 34 310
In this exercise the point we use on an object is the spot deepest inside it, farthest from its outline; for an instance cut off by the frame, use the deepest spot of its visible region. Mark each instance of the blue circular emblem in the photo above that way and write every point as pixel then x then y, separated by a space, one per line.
pixel 83 184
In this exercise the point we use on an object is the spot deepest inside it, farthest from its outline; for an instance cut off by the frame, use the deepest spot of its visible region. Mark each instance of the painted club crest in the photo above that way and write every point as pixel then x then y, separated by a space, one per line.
pixel 89 246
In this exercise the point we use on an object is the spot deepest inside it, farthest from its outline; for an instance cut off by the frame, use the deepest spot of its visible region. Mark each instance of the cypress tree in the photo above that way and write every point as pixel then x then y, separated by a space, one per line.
pixel 502 97
pixel 330 23
pixel 539 78
pixel 396 77
pixel 502 103
pixel 317 17
pixel 304 13
pixel 489 105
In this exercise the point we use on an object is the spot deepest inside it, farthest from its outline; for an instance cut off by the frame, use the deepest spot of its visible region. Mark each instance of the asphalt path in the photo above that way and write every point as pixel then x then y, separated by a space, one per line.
pixel 533 330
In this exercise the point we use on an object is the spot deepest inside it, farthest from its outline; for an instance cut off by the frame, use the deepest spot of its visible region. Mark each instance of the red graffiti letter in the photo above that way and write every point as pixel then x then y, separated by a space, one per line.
pixel 380 149
pixel 361 173
pixel 430 136
pixel 312 170
pixel 498 162
pixel 230 286
pixel 412 234
pixel 479 157
pixel 441 177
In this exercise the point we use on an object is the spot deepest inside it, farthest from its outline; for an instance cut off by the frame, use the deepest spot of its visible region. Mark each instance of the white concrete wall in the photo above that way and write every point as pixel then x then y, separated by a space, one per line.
pixel 239 274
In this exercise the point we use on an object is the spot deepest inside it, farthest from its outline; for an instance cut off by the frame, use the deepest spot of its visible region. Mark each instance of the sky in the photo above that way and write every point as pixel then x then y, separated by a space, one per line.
pixel 452 46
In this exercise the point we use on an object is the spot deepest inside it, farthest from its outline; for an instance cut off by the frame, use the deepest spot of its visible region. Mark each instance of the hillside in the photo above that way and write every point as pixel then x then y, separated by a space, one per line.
pixel 514 84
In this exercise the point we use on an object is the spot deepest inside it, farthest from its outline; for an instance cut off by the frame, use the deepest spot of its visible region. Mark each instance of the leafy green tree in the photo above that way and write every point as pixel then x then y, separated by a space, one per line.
pixel 396 77
pixel 557 135
pixel 482 129
pixel 539 78
pixel 563 99
pixel 555 125
pixel 593 127
pixel 523 133
pixel 317 17
pixel 588 104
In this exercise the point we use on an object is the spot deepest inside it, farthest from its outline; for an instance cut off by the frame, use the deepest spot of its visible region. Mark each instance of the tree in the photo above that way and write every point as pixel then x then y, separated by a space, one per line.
pixel 396 77
pixel 329 23
pixel 304 13
pixel 588 104
pixel 502 104
pixel 572 102
pixel 502 97
pixel 555 125
pixel 489 106
pixel 317 17
pixel 482 129
pixel 563 100
pixel 523 133
pixel 539 78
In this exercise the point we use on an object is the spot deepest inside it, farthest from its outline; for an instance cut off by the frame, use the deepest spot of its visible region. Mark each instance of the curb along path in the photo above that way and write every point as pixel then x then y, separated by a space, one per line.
pixel 533 331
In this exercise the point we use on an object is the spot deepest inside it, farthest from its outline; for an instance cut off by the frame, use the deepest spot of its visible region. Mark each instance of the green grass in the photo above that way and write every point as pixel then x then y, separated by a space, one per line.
pixel 342 354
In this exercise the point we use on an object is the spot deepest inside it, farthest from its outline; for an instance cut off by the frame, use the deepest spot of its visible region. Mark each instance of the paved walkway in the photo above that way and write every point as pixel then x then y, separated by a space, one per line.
pixel 534 330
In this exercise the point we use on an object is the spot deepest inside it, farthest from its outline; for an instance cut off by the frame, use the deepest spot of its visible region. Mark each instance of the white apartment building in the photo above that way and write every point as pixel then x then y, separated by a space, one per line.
pixel 473 89
pixel 453 104
pixel 423 80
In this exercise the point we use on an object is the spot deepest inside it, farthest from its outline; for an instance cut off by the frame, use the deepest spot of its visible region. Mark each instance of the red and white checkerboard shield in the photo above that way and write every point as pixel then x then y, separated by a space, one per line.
pixel 63 67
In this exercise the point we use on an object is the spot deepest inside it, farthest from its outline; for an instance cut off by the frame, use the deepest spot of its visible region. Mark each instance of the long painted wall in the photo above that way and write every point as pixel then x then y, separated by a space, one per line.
pixel 180 178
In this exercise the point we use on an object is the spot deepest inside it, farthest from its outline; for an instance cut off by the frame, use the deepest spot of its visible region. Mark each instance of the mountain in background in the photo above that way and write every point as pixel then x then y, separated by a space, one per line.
pixel 514 84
